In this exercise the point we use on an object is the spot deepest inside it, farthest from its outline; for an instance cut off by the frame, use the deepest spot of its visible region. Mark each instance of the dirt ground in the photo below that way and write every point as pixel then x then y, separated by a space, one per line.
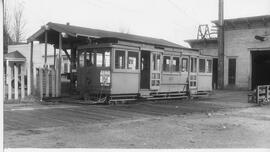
pixel 224 120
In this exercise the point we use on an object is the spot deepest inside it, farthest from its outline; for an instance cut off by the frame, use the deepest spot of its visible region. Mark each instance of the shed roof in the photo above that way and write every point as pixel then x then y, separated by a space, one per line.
pixel 15 56
pixel 76 31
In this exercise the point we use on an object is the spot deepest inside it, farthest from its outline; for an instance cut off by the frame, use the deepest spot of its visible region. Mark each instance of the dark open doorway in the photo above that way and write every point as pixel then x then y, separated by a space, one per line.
pixel 145 70
pixel 215 74
pixel 260 68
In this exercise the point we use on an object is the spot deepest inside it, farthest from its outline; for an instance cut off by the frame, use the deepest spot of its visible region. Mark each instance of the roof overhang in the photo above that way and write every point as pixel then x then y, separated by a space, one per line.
pixel 49 27
pixel 15 59
pixel 75 35
pixel 201 40
pixel 249 22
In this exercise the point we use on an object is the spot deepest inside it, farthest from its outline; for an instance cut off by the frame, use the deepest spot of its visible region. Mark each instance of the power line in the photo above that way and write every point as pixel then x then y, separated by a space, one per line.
pixel 183 11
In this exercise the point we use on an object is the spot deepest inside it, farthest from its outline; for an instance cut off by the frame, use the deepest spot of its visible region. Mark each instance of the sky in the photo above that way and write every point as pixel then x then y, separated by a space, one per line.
pixel 172 20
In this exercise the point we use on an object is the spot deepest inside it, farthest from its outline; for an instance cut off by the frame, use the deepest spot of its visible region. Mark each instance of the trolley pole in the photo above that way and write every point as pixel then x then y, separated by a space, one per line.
pixel 221 54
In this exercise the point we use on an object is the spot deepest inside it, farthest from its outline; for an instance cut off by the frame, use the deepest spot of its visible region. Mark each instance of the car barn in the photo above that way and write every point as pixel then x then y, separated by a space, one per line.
pixel 247 51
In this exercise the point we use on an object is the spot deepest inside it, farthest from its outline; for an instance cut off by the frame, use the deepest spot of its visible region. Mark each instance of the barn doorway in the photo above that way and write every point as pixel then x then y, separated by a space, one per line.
pixel 260 68
pixel 232 71
pixel 145 70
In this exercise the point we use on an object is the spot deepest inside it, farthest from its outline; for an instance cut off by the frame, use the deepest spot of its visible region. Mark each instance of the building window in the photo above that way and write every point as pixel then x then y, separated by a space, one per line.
pixel 184 64
pixel 120 59
pixel 133 63
pixel 209 66
pixel 202 65
pixel 193 65
pixel 175 64
pixel 99 59
pixel 166 64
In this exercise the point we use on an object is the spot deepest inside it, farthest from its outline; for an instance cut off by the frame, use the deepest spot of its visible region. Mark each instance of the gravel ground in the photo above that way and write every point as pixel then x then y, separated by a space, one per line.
pixel 224 120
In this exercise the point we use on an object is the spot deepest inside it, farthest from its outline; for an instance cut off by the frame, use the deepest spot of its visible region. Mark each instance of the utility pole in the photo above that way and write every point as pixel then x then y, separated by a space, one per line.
pixel 221 54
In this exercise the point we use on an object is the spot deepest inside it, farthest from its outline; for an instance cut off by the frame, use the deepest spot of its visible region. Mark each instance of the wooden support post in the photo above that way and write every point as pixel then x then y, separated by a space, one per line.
pixel 53 82
pixel 54 56
pixel 68 56
pixel 68 67
pixel 30 78
pixel 46 41
pixel 22 81
pixel 41 83
pixel 47 82
pixel 16 88
pixel 56 78
pixel 221 53
pixel 35 80
pixel 72 68
pixel 9 79
pixel 60 62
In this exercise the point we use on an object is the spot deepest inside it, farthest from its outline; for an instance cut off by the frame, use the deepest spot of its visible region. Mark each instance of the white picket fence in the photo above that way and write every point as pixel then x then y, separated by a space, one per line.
pixel 47 85
pixel 46 81
pixel 49 81
pixel 17 84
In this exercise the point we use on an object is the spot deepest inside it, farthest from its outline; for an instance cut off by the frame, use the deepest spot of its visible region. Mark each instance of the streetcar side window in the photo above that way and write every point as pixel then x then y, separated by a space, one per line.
pixel 133 60
pixel 175 64
pixel 120 59
pixel 166 63
pixel 202 65
pixel 184 65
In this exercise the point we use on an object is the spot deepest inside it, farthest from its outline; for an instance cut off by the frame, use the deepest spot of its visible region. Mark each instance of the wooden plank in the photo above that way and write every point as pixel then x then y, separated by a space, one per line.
pixel 16 88
pixel 30 77
pixel 56 79
pixel 28 70
pixel 47 82
pixel 22 82
pixel 60 63
pixel 46 41
pixel 53 82
pixel 9 78
pixel 65 50
pixel 54 56
pixel 73 66
pixel 41 82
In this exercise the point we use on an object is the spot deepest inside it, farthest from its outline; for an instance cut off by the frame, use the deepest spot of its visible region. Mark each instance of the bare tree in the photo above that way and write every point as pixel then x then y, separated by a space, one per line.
pixel 6 27
pixel 18 23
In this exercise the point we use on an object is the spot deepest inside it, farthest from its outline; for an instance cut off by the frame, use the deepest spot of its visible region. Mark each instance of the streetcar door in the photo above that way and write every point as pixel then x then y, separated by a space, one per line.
pixel 155 70
pixel 145 70
pixel 193 74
